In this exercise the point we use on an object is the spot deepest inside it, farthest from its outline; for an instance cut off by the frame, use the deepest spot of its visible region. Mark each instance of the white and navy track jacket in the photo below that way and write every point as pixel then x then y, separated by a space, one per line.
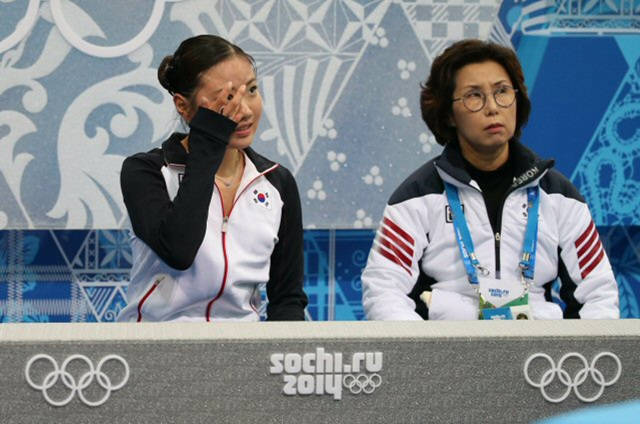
pixel 415 248
pixel 192 264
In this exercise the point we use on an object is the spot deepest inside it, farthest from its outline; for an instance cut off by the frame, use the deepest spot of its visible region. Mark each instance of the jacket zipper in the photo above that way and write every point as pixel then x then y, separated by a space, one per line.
pixel 146 296
pixel 223 230
pixel 498 235
pixel 497 251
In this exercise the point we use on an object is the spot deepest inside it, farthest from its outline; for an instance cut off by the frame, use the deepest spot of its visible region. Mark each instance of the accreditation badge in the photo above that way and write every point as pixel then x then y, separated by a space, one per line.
pixel 503 299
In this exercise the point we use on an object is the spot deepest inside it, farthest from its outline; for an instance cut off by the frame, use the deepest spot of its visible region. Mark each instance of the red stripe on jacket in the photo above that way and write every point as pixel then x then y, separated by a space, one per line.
pixel 384 252
pixel 389 223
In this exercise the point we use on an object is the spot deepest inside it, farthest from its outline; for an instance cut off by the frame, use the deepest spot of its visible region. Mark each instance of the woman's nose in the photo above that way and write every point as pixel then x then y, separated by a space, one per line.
pixel 245 109
pixel 490 106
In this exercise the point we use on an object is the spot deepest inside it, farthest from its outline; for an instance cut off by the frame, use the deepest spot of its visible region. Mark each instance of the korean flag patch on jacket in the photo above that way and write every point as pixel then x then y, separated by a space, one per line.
pixel 261 198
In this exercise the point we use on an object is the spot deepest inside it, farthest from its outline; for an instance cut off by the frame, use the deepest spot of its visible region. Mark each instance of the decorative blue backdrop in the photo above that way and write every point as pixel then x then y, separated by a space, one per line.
pixel 340 81
pixel 82 275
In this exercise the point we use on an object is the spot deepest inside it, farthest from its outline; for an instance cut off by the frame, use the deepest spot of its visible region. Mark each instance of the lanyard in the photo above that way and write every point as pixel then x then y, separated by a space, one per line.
pixel 465 243
pixel 528 260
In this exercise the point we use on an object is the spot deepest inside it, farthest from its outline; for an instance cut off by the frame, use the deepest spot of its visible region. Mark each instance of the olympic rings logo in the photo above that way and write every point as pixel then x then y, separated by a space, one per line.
pixel 82 383
pixel 578 379
pixel 362 383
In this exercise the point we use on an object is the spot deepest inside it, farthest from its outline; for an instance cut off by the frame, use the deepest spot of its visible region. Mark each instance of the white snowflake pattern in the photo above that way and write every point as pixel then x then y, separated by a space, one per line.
pixel 362 219
pixel 378 38
pixel 401 108
pixel 373 177
pixel 406 68
pixel 327 129
pixel 336 159
pixel 427 141
pixel 316 191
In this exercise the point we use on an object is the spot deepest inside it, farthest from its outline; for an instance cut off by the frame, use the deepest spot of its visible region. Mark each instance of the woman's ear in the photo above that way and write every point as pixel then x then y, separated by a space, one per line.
pixel 182 106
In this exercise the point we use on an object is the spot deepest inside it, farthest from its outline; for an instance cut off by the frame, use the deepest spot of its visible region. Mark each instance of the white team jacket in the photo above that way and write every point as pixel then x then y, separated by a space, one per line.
pixel 212 270
pixel 415 248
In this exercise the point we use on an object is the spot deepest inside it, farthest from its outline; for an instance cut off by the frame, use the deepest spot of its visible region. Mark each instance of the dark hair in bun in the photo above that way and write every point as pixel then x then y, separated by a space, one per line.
pixel 180 72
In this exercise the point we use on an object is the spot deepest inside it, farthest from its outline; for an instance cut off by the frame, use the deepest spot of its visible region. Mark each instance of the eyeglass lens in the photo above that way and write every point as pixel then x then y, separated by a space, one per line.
pixel 475 100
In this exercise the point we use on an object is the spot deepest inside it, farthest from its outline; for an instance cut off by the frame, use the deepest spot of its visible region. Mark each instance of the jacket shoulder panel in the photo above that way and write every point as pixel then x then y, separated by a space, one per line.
pixel 425 180
pixel 553 182
pixel 281 179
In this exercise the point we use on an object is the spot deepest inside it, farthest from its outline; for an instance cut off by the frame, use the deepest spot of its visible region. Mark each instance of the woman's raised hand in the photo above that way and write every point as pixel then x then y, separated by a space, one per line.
pixel 226 103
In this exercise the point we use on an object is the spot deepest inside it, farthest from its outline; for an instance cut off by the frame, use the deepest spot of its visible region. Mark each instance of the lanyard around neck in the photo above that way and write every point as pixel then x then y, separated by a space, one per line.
pixel 528 259
pixel 465 242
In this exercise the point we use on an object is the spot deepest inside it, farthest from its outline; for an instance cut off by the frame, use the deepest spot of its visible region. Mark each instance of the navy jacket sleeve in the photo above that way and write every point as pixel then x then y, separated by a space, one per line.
pixel 287 299
pixel 175 228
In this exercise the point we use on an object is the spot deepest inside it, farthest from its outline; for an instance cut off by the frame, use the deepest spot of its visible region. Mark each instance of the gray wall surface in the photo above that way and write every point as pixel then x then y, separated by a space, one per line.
pixel 426 371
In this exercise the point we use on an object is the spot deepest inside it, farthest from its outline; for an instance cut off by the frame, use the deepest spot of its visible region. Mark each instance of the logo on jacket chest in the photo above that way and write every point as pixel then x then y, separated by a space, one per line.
pixel 448 215
pixel 261 198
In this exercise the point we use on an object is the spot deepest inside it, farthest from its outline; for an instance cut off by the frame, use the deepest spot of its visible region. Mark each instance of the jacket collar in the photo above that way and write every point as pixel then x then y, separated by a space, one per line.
pixel 175 154
pixel 527 166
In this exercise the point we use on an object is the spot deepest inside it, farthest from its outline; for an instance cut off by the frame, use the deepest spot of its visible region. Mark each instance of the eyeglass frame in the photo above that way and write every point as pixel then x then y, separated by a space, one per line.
pixel 484 98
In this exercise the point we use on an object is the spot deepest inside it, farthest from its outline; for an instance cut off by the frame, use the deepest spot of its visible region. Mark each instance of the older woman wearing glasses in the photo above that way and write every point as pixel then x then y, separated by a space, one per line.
pixel 483 230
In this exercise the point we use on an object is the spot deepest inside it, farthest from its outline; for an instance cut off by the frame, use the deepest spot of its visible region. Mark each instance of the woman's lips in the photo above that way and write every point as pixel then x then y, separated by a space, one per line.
pixel 243 131
pixel 494 128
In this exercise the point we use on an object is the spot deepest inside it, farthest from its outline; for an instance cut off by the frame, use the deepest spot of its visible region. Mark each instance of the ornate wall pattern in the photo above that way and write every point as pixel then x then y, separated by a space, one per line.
pixel 340 81
pixel 582 63
pixel 79 93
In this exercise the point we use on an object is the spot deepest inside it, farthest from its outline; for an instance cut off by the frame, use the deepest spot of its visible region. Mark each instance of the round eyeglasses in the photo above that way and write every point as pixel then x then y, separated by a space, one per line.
pixel 475 100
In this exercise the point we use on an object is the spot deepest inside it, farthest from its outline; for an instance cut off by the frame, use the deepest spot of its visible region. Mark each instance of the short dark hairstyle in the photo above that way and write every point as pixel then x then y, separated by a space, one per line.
pixel 436 96
pixel 181 72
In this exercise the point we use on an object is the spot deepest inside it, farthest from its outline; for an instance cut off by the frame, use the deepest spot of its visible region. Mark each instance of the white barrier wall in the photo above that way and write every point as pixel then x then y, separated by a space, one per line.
pixel 352 372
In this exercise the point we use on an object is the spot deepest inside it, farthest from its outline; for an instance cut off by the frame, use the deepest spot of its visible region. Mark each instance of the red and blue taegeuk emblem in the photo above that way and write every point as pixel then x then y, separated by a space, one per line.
pixel 261 198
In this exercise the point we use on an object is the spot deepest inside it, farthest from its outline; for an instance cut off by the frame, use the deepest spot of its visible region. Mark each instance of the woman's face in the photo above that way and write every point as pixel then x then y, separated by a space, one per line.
pixel 238 71
pixel 488 130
